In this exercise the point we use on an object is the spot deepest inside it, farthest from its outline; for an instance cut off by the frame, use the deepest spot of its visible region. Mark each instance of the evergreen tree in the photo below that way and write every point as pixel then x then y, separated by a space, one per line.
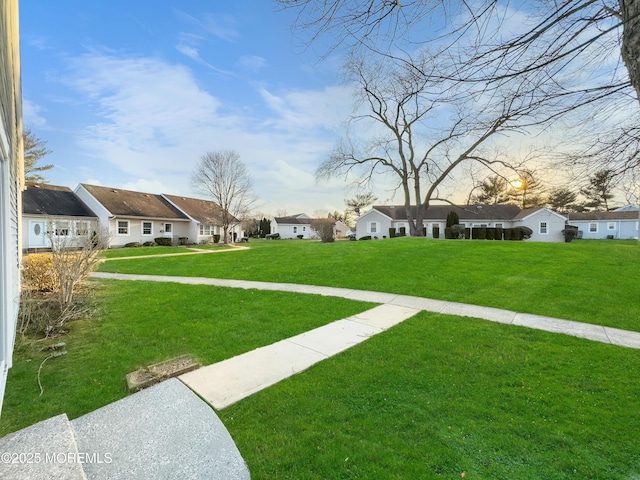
pixel 562 200
pixel 34 150
pixel 527 191
pixel 493 191
pixel 598 192
pixel 452 219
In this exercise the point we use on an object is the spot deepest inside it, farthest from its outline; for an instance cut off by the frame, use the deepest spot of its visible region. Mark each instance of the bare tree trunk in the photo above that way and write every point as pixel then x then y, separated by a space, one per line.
pixel 630 12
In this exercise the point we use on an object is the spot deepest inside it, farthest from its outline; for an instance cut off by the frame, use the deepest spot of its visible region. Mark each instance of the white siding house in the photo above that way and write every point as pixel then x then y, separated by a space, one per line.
pixel 11 183
pixel 50 212
pixel 206 219
pixel 295 226
pixel 546 224
pixel 621 224
pixel 134 216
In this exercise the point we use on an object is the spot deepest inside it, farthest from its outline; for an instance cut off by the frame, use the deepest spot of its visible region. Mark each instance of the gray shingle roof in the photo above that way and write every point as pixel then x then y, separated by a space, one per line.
pixel 465 212
pixel 126 203
pixel 53 200
pixel 623 215
pixel 204 211
pixel 293 221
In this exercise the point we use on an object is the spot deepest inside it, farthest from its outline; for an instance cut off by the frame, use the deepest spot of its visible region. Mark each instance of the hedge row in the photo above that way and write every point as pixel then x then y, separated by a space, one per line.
pixel 489 233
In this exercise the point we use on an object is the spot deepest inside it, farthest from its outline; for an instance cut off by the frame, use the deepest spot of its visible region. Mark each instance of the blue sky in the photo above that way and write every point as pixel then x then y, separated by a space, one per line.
pixel 131 94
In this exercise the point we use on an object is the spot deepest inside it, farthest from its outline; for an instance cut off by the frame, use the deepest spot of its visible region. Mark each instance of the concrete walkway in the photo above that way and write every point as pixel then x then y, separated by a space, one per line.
pixel 231 380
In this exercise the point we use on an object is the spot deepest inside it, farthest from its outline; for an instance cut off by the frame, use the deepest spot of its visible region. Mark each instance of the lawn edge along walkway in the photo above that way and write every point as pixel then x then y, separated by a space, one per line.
pixel 231 380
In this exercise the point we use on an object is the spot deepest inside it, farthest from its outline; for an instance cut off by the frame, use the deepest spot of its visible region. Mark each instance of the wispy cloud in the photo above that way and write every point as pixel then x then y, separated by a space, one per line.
pixel 155 121
pixel 221 26
pixel 33 114
pixel 252 63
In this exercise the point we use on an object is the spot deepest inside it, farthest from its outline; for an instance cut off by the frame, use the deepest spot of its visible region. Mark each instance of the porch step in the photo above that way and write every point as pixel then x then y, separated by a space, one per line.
pixel 44 451
pixel 165 431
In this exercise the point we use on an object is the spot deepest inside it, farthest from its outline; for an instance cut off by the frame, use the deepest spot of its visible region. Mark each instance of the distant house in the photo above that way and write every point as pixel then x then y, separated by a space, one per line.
pixel 619 224
pixel 546 224
pixel 295 226
pixel 341 229
pixel 206 217
pixel 11 182
pixel 135 216
pixel 50 210
pixel 299 226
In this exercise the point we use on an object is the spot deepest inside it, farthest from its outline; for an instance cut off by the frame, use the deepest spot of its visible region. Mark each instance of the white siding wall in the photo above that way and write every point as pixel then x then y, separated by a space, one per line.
pixel 623 229
pixel 373 220
pixel 11 182
pixel 554 226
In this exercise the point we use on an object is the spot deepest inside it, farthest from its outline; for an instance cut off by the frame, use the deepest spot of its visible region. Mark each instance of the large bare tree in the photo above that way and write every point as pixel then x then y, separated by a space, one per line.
pixel 223 177
pixel 419 129
pixel 576 49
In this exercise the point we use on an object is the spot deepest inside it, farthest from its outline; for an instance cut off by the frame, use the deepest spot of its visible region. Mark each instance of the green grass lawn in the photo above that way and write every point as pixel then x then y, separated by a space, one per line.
pixel 589 281
pixel 150 251
pixel 141 323
pixel 437 396
pixel 433 397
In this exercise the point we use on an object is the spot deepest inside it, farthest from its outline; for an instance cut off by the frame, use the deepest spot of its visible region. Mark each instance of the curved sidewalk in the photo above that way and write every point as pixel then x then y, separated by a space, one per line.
pixel 598 333
pixel 231 380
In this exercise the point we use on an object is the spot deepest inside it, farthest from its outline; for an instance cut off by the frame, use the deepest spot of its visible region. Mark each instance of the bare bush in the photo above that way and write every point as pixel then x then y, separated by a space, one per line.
pixel 325 228
pixel 50 280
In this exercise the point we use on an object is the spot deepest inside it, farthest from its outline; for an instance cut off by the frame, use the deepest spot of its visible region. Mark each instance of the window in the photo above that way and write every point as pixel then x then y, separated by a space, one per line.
pixel 168 227
pixel 147 228
pixel 593 227
pixel 62 229
pixel 543 228
pixel 611 226
pixel 82 228
pixel 206 229
pixel 295 229
pixel 123 227
pixel 499 225
pixel 372 227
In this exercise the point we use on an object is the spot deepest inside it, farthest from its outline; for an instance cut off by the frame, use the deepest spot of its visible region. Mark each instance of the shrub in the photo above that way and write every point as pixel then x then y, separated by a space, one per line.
pixel 403 232
pixel 163 241
pixel 570 232
pixel 366 237
pixel 499 232
pixel 392 232
pixel 149 244
pixel 467 233
pixel 132 245
pixel 507 233
pixel 324 227
pixel 452 219
pixel 457 231
pixel 436 232
pixel 448 234
pixel 50 281
pixel 38 272
pixel 216 238
pixel 491 233
pixel 482 233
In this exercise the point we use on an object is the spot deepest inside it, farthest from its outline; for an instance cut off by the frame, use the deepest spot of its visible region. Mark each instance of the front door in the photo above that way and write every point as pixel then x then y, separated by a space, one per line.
pixel 168 230
pixel 37 234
